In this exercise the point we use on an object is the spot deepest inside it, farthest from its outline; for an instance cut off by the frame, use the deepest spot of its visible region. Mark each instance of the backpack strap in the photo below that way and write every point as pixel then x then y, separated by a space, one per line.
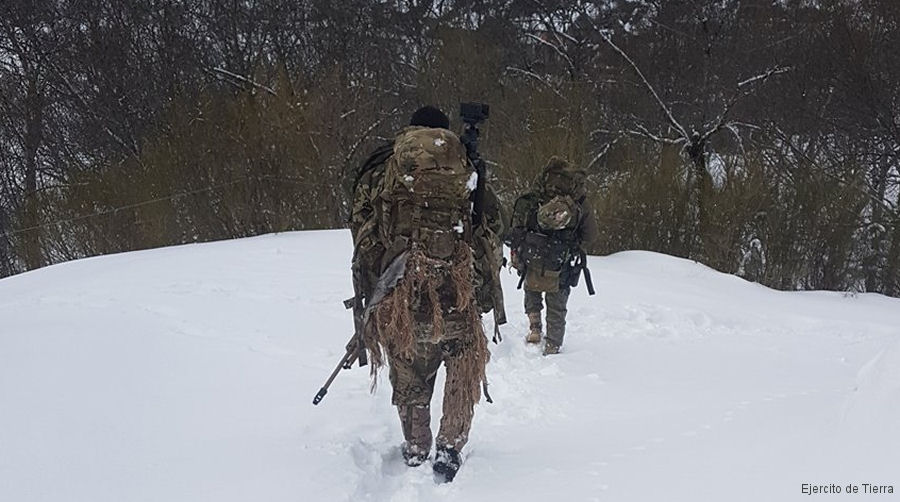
pixel 377 158
pixel 416 222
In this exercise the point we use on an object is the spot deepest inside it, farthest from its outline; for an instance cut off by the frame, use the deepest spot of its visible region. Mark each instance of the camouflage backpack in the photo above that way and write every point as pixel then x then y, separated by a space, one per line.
pixel 425 194
pixel 368 222
pixel 559 213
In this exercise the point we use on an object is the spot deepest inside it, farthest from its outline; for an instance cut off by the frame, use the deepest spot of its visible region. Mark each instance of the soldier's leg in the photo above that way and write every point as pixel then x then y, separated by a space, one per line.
pixel 412 380
pixel 534 303
pixel 458 409
pixel 456 418
pixel 556 320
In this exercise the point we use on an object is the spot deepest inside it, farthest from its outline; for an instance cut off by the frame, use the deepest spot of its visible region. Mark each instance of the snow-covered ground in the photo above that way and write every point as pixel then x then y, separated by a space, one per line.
pixel 187 373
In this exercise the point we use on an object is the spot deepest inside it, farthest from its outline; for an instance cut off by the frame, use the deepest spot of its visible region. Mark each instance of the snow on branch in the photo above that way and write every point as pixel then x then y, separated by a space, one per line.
pixel 732 128
pixel 536 77
pixel 719 123
pixel 763 76
pixel 555 48
pixel 662 104
pixel 745 125
pixel 241 78
pixel 547 22
pixel 642 131
pixel 603 151
pixel 365 135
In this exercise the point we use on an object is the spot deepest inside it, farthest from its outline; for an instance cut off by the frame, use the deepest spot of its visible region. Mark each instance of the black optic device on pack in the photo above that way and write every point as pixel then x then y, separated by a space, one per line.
pixel 473 114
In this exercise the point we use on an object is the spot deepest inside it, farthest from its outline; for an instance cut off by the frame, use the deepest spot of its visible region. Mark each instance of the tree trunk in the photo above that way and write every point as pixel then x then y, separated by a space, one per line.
pixel 892 270
pixel 34 108
pixel 700 187
pixel 874 260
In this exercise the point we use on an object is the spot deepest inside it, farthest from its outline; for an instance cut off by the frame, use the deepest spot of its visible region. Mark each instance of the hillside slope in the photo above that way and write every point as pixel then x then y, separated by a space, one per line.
pixel 187 373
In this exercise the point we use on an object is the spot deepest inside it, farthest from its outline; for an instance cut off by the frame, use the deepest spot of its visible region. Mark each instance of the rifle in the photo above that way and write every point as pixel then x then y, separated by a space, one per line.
pixel 356 349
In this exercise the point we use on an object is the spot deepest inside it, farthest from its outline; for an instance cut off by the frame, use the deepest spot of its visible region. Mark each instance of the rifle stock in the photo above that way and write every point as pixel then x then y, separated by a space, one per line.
pixel 358 327
pixel 582 265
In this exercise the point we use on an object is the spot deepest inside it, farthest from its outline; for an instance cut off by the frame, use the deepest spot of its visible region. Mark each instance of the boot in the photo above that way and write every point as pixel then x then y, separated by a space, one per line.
pixel 550 348
pixel 413 456
pixel 446 464
pixel 534 328
pixel 416 423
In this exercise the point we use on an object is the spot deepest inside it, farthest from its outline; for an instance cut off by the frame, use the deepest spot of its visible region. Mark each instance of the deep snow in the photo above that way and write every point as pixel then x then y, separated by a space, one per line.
pixel 187 373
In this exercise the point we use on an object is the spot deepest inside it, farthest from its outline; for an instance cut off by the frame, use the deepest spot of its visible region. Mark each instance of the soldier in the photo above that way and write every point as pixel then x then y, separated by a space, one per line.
pixel 415 265
pixel 550 229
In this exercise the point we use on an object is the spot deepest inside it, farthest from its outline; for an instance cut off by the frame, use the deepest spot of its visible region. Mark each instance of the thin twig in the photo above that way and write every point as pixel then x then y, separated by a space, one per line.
pixel 763 76
pixel 536 77
pixel 556 49
pixel 242 78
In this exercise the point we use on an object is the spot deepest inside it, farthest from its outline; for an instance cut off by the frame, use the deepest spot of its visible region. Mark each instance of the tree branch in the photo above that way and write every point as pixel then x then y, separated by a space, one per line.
pixel 556 49
pixel 365 135
pixel 643 132
pixel 241 78
pixel 763 76
pixel 665 109
pixel 719 123
pixel 603 151
pixel 536 77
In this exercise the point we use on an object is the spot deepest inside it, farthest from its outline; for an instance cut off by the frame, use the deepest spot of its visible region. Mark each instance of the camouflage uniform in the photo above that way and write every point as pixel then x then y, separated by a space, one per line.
pixel 367 249
pixel 431 315
pixel 412 379
pixel 584 233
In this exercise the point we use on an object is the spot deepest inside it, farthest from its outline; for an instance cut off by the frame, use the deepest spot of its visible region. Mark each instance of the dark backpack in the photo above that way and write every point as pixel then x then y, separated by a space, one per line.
pixel 545 239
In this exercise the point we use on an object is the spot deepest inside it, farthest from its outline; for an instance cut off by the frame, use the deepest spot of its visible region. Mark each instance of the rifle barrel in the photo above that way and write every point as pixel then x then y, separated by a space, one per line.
pixel 345 362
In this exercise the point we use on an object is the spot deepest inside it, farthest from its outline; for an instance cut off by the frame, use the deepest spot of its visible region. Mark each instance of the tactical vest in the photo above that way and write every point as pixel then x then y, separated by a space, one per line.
pixel 545 239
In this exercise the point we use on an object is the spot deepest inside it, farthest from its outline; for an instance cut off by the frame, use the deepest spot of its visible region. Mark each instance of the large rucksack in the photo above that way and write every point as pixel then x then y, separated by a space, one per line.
pixel 371 228
pixel 425 194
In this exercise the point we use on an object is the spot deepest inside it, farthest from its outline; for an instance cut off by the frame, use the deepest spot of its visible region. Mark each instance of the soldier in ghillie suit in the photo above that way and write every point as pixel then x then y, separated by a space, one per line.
pixel 414 263
pixel 550 228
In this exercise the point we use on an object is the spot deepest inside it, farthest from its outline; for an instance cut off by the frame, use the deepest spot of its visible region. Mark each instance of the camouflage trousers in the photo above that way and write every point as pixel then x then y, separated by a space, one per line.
pixel 413 381
pixel 556 311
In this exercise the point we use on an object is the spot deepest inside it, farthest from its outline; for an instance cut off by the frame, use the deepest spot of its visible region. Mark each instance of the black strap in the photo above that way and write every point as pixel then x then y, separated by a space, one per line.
pixel 587 280
pixel 484 390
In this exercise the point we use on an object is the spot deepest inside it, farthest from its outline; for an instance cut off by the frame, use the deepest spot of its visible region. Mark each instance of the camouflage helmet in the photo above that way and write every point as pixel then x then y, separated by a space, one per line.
pixel 559 177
